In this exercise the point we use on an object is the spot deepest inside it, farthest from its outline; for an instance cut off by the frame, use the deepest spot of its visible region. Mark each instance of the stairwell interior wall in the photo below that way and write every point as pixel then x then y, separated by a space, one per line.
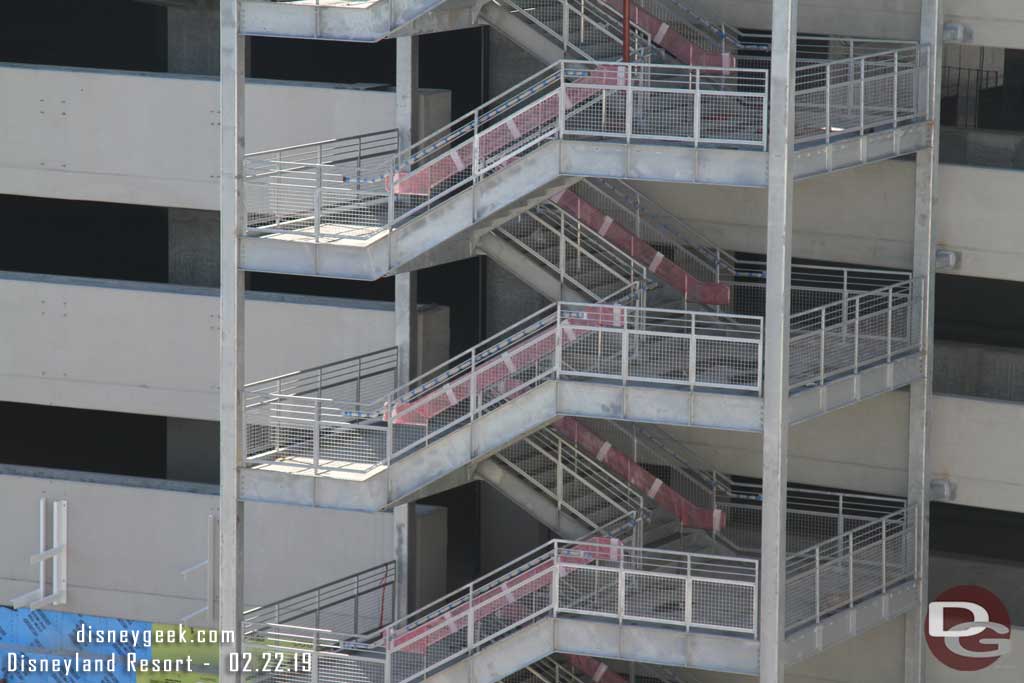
pixel 999 23
pixel 974 442
pixel 152 349
pixel 145 138
pixel 865 216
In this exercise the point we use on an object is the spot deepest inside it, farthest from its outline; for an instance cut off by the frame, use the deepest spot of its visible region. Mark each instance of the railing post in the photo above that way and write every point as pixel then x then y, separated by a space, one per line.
pixel 558 340
pixel 560 477
pixel 565 26
pixel 828 103
pixel 821 359
pixel 696 111
pixel 629 100
pixel 842 518
pixel 316 438
pixel 316 214
pixel 389 437
pixel 555 579
pixel 355 608
pixel 895 90
pixel 863 104
pixel 359 380
pixel 561 100
pixel 817 584
pixel 688 593
pixel 850 568
pixel 888 327
pixel 884 556
pixel 314 668
pixel 856 335
pixel 387 655
pixel 476 145
pixel 624 348
pixel 846 299
pixel 316 609
pixel 693 352
pixel 470 618
pixel 622 587
pixel 473 404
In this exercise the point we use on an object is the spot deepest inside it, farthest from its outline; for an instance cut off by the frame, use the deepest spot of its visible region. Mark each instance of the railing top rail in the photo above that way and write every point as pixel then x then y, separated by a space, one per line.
pixel 375 568
pixel 349 359
pixel 276 150
pixel 908 512
pixel 855 296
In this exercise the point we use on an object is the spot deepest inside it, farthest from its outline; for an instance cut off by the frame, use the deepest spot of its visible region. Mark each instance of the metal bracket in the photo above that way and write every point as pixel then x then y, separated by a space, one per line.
pixel 957 33
pixel 946 259
pixel 943 490
pixel 56 556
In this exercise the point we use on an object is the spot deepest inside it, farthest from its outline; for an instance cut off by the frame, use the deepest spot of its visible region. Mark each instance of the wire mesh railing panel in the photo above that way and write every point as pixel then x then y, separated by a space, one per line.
pixel 854 333
pixel 359 603
pixel 852 567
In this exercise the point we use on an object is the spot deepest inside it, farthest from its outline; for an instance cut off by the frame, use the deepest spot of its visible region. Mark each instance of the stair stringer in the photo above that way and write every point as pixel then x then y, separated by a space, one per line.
pixel 538 506
pixel 542 280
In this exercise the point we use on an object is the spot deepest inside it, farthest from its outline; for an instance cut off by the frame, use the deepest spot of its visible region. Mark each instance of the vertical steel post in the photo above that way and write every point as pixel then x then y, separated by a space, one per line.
pixel 232 331
pixel 777 328
pixel 920 391
pixel 625 30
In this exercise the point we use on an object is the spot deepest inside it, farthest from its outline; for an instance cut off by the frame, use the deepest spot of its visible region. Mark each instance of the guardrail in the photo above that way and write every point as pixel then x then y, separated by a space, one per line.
pixel 847 569
pixel 855 332
pixel 338 190
pixel 363 602
pixel 626 345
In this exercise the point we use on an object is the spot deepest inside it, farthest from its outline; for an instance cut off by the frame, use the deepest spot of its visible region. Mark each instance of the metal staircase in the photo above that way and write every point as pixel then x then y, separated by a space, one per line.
pixel 361 208
pixel 596 597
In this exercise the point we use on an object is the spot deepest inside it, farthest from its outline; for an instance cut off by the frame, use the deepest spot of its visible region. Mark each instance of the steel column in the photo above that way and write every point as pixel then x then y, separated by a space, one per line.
pixel 232 327
pixel 920 391
pixel 776 336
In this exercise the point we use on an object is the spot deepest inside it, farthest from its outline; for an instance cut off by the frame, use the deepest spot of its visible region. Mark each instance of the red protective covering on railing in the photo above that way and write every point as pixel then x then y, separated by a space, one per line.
pixel 420 410
pixel 424 179
pixel 418 638
pixel 596 670
pixel 686 51
pixel 710 293
pixel 688 514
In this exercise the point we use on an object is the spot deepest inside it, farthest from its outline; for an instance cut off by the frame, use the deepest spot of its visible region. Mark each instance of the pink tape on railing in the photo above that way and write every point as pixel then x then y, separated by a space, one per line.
pixel 688 514
pixel 711 293
pixel 596 670
pixel 420 410
pixel 686 51
pixel 506 595
pixel 424 179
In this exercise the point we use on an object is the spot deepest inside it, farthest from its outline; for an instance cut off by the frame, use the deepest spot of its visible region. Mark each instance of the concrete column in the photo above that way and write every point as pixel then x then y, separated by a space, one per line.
pixel 407 82
pixel 407 76
pixel 920 391
pixel 232 330
pixel 776 341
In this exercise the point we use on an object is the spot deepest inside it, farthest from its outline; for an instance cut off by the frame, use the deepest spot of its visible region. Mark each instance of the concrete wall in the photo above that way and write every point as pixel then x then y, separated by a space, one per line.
pixel 979 370
pixel 130 538
pixel 865 216
pixel 153 139
pixel 974 442
pixel 996 23
pixel 153 349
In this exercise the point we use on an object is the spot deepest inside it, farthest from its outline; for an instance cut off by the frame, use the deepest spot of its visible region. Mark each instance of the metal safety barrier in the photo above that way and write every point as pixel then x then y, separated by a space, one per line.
pixel 354 189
